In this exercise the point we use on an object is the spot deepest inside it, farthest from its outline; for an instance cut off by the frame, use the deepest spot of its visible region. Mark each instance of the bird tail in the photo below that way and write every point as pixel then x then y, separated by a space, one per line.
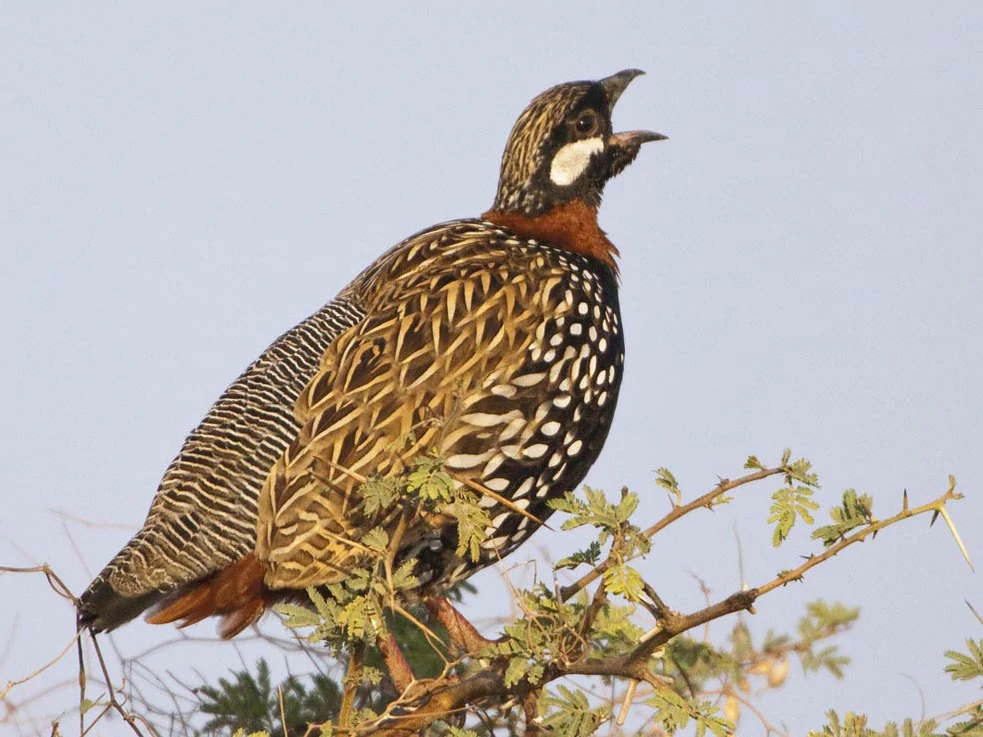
pixel 236 593
pixel 102 608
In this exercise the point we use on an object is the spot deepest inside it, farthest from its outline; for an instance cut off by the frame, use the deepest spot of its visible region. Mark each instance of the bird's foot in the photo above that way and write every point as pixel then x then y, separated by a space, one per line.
pixel 396 663
pixel 462 633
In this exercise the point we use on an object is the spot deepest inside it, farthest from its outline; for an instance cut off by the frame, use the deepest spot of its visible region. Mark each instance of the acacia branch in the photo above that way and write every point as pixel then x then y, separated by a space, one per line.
pixel 706 500
pixel 445 696
pixel 936 506
pixel 675 623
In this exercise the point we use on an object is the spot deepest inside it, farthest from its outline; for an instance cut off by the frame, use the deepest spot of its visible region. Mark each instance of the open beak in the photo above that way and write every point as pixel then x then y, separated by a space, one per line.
pixel 614 86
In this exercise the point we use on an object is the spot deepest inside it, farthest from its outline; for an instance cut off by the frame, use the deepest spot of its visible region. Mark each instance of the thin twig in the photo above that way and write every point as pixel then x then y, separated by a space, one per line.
pixel 706 500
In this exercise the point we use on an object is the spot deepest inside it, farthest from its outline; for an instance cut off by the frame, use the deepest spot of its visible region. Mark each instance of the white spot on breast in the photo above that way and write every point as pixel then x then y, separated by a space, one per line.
pixel 573 159
pixel 558 473
pixel 556 340
pixel 577 329
pixel 602 345
pixel 492 465
pixel 512 429
pixel 528 379
pixel 497 484
pixel 550 428
pixel 561 401
pixel 535 451
pixel 583 309
pixel 523 489
pixel 574 448
pixel 602 399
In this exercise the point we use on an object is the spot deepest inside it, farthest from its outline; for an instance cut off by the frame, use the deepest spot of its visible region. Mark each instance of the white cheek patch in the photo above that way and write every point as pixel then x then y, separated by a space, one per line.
pixel 572 160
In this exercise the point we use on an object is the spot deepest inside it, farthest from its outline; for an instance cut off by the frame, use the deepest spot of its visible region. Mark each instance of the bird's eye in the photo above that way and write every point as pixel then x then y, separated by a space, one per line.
pixel 586 123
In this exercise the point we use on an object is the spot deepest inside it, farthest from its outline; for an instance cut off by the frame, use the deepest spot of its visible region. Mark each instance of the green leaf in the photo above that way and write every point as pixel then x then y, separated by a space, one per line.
pixel 590 557
pixel 665 479
pixel 453 731
pixel 626 507
pixel 623 580
pixel 376 539
pixel 516 669
pixel 403 577
pixel 361 618
pixel 966 666
pixel 570 714
pixel 671 709
pixel 855 510
pixel 753 463
pixel 429 480
pixel 971 727
pixel 472 525
pixel 370 676
pixel 788 503
pixel 298 616
pixel 379 493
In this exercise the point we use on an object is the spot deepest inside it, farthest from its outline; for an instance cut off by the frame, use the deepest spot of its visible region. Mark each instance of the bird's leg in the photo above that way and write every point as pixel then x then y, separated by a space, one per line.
pixel 459 629
pixel 399 668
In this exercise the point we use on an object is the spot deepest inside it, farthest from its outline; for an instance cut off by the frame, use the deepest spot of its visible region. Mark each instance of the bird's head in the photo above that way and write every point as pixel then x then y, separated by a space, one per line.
pixel 563 148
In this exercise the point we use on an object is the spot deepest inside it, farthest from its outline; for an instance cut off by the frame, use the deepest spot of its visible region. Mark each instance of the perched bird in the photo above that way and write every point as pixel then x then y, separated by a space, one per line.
pixel 495 343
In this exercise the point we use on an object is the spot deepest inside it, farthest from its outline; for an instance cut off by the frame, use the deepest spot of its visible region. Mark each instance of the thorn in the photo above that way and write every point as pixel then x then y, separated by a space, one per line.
pixel 904 506
pixel 935 516
pixel 626 704
pixel 975 613
pixel 955 534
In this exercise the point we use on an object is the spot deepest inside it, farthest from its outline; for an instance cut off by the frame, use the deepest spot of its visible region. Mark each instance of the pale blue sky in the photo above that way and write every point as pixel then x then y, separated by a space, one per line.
pixel 801 267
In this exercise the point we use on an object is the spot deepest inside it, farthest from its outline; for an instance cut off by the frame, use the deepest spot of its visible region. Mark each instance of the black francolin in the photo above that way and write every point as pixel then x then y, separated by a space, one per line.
pixel 495 343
